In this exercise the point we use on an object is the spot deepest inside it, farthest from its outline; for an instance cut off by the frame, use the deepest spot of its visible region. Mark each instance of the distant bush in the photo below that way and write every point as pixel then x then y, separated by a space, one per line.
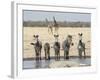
pixel 61 24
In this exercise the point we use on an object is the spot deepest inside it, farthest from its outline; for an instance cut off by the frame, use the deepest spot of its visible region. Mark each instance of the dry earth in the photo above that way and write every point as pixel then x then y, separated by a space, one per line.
pixel 44 36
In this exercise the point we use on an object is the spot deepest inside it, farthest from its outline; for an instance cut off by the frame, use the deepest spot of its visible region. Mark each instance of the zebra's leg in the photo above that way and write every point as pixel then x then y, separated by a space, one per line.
pixel 36 56
pixel 40 55
pixel 59 55
pixel 84 54
pixel 80 53
pixel 48 54
pixel 55 54
pixel 64 54
pixel 67 54
pixel 45 53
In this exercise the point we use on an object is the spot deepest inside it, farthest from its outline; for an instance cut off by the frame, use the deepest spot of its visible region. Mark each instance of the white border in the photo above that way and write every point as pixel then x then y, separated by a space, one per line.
pixel 17 40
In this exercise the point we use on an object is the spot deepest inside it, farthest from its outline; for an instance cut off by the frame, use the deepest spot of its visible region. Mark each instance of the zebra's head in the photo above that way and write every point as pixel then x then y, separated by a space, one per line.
pixel 69 39
pixel 35 38
pixel 80 36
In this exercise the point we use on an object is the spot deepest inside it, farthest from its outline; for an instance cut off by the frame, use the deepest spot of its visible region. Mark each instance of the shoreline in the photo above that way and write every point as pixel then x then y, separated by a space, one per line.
pixel 53 57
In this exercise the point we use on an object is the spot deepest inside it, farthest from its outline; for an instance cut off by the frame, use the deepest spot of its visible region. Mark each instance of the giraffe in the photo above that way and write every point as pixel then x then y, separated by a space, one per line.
pixel 50 26
pixel 55 24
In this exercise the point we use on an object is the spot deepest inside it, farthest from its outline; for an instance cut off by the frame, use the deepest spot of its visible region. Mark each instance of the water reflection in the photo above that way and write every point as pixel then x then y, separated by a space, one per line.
pixel 32 64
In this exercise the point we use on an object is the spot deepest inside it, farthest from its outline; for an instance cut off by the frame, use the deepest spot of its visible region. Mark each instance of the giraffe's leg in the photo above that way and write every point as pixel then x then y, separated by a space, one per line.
pixel 48 29
pixel 52 30
pixel 56 29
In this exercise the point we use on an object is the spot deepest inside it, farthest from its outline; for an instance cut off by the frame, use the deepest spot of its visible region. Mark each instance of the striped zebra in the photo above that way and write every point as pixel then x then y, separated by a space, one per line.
pixel 37 47
pixel 66 46
pixel 81 46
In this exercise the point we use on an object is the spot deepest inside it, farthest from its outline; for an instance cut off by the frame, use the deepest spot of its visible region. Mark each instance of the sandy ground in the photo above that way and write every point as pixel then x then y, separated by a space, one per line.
pixel 44 36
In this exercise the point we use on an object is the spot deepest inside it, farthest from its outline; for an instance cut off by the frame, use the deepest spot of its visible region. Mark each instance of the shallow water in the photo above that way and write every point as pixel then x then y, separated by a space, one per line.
pixel 32 64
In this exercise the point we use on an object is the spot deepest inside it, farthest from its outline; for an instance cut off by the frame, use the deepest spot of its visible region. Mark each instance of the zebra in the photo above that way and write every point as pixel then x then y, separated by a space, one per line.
pixel 47 51
pixel 37 47
pixel 56 47
pixel 66 46
pixel 81 46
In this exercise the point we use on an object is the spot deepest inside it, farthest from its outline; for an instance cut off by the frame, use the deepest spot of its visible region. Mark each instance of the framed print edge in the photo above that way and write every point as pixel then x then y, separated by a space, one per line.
pixel 16 49
pixel 13 41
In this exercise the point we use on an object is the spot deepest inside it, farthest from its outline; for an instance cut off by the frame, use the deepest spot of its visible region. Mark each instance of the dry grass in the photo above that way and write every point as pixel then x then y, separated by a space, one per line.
pixel 44 36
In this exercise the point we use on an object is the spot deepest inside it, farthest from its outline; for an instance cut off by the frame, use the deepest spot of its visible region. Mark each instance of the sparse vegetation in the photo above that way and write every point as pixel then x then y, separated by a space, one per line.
pixel 61 24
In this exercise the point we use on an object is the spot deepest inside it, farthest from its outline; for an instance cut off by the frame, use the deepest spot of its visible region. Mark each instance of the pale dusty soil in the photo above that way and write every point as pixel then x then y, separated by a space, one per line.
pixel 44 36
